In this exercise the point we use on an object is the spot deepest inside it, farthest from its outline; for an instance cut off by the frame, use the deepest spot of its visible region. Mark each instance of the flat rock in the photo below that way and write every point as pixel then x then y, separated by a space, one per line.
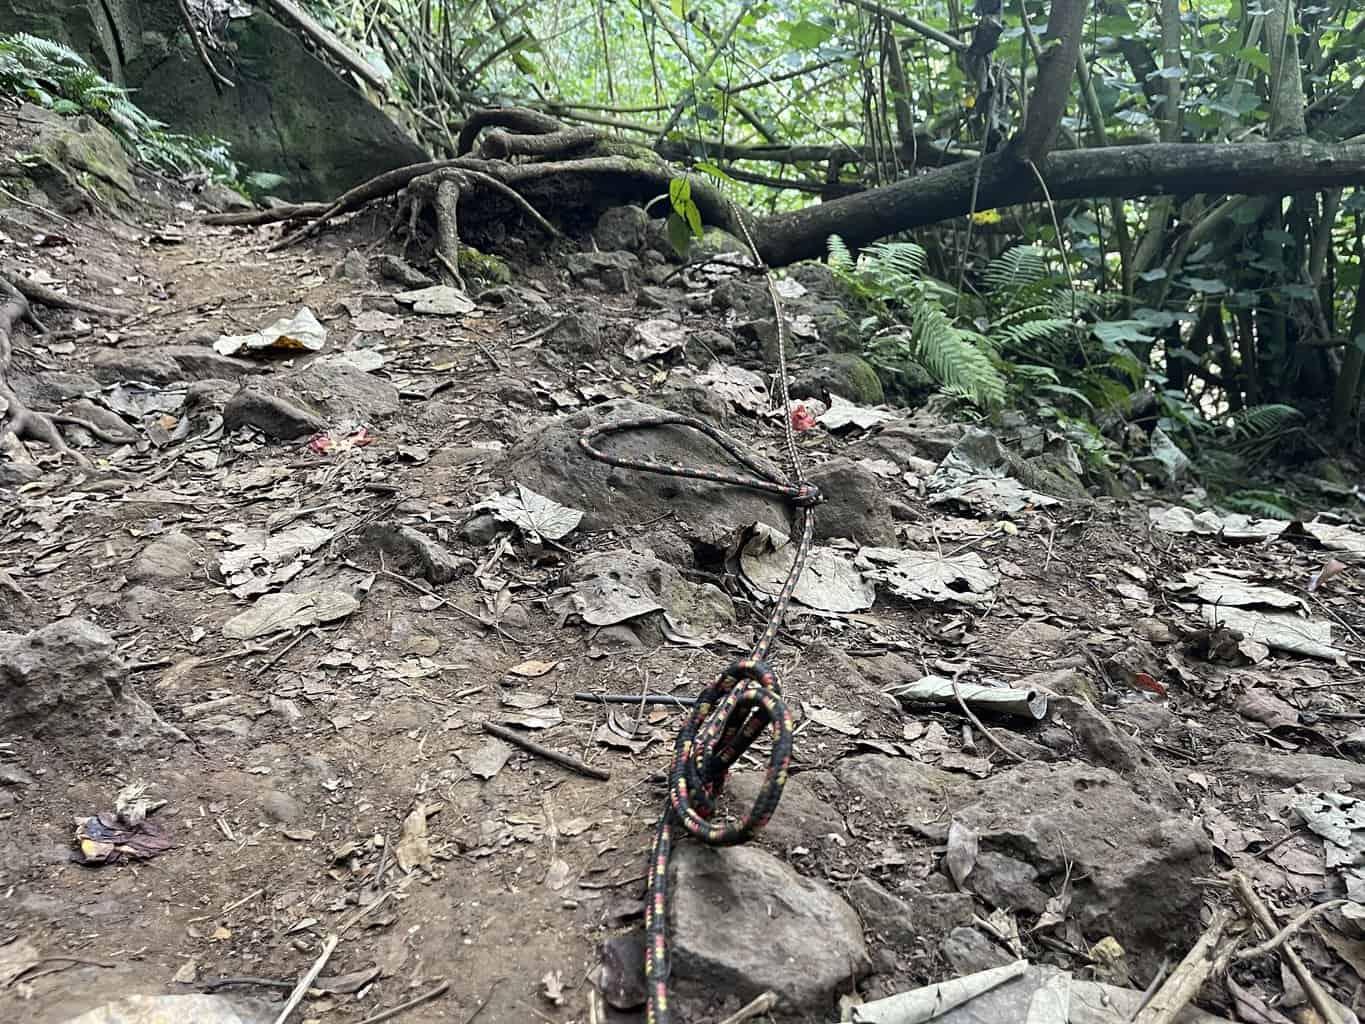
pixel 1287 769
pixel 621 228
pixel 111 365
pixel 413 553
pixel 201 362
pixel 199 1008
pixel 917 918
pixel 1132 866
pixel 343 394
pixel 65 684
pixel 898 791
pixel 807 815
pixel 551 463
pixel 854 506
pixel 273 415
pixel 173 558
pixel 743 922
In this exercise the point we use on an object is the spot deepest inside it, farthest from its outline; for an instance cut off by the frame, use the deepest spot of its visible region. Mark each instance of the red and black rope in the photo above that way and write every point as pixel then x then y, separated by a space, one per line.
pixel 732 712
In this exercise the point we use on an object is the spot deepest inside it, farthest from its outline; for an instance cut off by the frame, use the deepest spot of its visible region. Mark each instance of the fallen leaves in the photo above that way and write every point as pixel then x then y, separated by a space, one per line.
pixel 534 514
pixel 273 613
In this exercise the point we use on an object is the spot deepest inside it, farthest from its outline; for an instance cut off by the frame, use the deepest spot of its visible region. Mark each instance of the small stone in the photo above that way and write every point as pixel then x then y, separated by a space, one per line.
pixel 414 553
pixel 400 271
pixel 614 271
pixel 621 228
pixel 280 807
pixel 854 506
pixel 1006 883
pixel 174 558
pixel 919 918
pixel 742 922
pixel 201 362
pixel 970 951
pixel 481 528
pixel 352 267
pixel 844 374
pixel 275 417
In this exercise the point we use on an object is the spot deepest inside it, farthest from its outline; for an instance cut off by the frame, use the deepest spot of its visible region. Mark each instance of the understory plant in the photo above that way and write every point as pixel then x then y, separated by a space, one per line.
pixel 54 76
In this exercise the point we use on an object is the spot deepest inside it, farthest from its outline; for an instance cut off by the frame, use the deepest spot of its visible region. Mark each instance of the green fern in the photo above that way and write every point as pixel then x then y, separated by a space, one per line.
pixel 54 76
pixel 840 259
pixel 1259 420
pixel 1266 504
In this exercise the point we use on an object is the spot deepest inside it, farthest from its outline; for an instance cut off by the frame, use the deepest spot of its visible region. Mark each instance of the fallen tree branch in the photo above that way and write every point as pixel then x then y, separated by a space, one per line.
pixel 274 215
pixel 303 22
pixel 35 292
pixel 1247 168
pixel 219 80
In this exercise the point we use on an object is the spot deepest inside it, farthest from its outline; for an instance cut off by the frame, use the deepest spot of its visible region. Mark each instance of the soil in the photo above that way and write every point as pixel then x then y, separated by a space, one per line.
pixel 309 751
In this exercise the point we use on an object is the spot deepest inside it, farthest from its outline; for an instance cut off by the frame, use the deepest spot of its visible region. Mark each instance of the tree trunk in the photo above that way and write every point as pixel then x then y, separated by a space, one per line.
pixel 1231 168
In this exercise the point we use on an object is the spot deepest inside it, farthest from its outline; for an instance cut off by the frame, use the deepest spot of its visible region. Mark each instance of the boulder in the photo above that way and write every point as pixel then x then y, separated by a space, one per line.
pixel 742 922
pixel 550 462
pixel 63 685
pixel 854 506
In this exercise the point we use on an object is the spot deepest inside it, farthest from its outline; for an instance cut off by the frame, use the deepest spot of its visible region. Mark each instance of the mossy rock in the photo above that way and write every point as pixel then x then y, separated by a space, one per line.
pixel 483 266
pixel 849 376
pixel 78 154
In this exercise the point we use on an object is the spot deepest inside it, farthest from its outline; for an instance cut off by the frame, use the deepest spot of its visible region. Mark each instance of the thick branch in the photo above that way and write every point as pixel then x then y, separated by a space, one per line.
pixel 301 20
pixel 1052 87
pixel 1246 168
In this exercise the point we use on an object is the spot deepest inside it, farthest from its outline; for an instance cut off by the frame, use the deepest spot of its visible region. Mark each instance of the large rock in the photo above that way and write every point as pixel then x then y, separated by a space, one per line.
pixel 918 919
pixel 290 112
pixel 854 506
pixel 808 814
pixel 64 685
pixel 743 922
pixel 551 463
pixel 196 1007
pixel 73 155
pixel 895 791
pixel 174 559
pixel 1131 866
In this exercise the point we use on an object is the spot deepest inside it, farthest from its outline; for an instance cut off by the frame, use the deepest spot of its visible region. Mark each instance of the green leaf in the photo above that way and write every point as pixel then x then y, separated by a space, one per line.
pixel 1205 285
pixel 1121 332
pixel 679 193
pixel 679 235
pixel 806 34
pixel 677 7
pixel 1255 58
pixel 524 63
pixel 706 167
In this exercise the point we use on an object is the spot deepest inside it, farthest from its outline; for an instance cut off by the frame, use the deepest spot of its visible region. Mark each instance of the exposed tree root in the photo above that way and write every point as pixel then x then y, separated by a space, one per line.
pixel 16 417
pixel 560 184
pixel 35 292
pixel 274 215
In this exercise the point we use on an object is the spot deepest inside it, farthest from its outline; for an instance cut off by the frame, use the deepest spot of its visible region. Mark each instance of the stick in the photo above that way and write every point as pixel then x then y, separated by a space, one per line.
pixel 1278 939
pixel 394 1011
pixel 306 982
pixel 632 698
pixel 1191 973
pixel 957 692
pixel 486 1000
pixel 220 81
pixel 516 739
pixel 761 1005
pixel 1325 1007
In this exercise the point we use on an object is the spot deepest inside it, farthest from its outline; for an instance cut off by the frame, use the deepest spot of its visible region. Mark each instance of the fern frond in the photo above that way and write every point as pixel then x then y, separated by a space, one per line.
pixel 1259 420
pixel 1266 504
pixel 904 259
pixel 951 358
pixel 1016 268
pixel 840 259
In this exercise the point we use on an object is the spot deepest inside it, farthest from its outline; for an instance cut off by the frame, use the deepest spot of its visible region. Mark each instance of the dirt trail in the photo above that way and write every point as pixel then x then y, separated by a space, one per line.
pixel 308 749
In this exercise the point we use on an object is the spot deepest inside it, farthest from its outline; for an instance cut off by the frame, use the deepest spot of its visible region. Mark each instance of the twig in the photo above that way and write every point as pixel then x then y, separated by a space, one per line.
pixel 217 983
pixel 394 1011
pixel 1325 1007
pixel 1206 956
pixel 759 1006
pixel 516 739
pixel 274 659
pixel 995 742
pixel 363 913
pixel 412 585
pixel 1151 989
pixel 480 1008
pixel 306 982
pixel 632 698
pixel 219 79
pixel 1278 939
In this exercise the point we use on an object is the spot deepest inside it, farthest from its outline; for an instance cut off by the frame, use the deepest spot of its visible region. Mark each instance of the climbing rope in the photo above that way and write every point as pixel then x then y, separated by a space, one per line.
pixel 746 699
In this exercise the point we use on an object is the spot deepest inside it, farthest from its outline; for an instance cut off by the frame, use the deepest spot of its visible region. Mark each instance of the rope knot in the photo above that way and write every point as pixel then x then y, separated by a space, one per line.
pixel 807 496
